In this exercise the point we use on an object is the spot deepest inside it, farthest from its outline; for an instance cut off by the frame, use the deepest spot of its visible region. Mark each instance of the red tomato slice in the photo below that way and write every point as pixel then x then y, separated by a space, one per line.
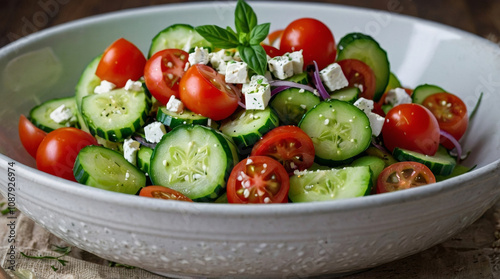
pixel 289 145
pixel 120 62
pixel 204 91
pixel 258 179
pixel 314 38
pixel 451 114
pixel 30 135
pixel 272 51
pixel 404 175
pixel 412 127
pixel 359 75
pixel 162 192
pixel 163 72
pixel 58 150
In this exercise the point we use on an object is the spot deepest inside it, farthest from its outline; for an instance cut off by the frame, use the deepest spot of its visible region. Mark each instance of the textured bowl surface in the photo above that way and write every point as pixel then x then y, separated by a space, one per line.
pixel 208 240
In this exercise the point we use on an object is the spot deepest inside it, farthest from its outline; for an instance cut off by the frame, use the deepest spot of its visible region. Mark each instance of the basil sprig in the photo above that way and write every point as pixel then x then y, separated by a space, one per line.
pixel 246 39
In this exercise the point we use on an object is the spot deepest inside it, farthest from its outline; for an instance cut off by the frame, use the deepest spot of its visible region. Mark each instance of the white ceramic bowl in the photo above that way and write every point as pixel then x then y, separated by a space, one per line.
pixel 178 238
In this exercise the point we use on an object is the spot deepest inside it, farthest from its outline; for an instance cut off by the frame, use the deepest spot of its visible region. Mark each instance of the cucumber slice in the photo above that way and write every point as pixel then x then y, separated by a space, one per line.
pixel 246 127
pixel 365 48
pixel 421 92
pixel 393 82
pixel 85 86
pixel 301 78
pixel 376 165
pixel 40 115
pixel 386 157
pixel 194 160
pixel 333 184
pixel 291 104
pixel 174 119
pixel 115 115
pixel 442 163
pixel 144 158
pixel 348 94
pixel 339 131
pixel 180 36
pixel 106 169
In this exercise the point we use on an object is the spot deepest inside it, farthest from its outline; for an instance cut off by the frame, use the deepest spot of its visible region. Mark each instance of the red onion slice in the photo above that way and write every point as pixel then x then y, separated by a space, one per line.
pixel 458 147
pixel 319 85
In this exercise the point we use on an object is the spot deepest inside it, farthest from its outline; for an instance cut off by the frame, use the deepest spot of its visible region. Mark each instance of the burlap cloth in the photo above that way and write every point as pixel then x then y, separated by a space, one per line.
pixel 470 254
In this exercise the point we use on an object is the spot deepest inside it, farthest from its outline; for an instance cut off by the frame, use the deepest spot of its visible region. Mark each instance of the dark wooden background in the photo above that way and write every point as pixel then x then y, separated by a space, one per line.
pixel 19 18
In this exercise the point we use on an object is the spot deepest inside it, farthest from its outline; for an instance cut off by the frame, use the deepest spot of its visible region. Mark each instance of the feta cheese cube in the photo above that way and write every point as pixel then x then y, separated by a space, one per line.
pixel 297 61
pixel 397 96
pixel 133 85
pixel 219 59
pixel 175 105
pixel 376 121
pixel 154 132
pixel 237 72
pixel 104 87
pixel 61 114
pixel 199 56
pixel 281 66
pixel 130 148
pixel 333 77
pixel 257 92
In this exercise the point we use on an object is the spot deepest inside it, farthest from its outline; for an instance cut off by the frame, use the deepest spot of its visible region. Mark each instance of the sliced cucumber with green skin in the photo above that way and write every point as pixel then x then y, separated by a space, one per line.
pixel 393 82
pixel 385 156
pixel 376 165
pixel 40 115
pixel 291 104
pixel 106 169
pixel 173 119
pixel 365 48
pixel 180 36
pixel 442 163
pixel 458 170
pixel 348 94
pixel 144 158
pixel 339 131
pixel 334 184
pixel 194 160
pixel 85 86
pixel 301 78
pixel 421 92
pixel 115 115
pixel 246 127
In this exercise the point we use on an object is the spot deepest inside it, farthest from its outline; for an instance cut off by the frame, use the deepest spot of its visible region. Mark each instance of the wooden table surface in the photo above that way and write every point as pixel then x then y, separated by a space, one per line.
pixel 472 254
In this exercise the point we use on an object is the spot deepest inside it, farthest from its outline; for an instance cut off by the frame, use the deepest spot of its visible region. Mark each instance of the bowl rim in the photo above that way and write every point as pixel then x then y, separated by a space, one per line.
pixel 87 192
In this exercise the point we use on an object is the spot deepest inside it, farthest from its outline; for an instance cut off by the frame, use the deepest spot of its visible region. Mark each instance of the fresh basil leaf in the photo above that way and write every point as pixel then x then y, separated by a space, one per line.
pixel 217 36
pixel 245 18
pixel 259 33
pixel 255 56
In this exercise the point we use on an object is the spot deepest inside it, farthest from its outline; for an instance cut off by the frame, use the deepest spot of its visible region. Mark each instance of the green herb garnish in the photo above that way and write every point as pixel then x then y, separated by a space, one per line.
pixel 246 39
pixel 60 249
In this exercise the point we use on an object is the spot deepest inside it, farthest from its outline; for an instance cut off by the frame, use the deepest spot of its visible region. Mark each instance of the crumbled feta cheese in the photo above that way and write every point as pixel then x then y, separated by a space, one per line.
pixel 397 96
pixel 376 121
pixel 154 132
pixel 236 72
pixel 199 56
pixel 281 66
pixel 333 77
pixel 133 85
pixel 257 92
pixel 219 59
pixel 104 87
pixel 61 114
pixel 130 148
pixel 175 105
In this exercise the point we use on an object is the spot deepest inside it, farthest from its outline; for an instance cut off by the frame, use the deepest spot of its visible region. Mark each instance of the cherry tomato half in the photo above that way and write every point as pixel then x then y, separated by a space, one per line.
pixel 258 179
pixel 204 91
pixel 272 51
pixel 404 175
pixel 359 75
pixel 289 145
pixel 162 192
pixel 412 127
pixel 120 62
pixel 31 136
pixel 451 114
pixel 163 72
pixel 58 150
pixel 313 37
